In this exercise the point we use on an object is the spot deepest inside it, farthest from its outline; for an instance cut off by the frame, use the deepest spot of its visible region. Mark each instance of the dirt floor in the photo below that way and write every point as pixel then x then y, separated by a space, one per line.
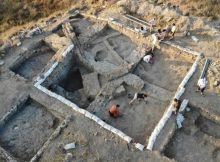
pixel 138 119
pixel 122 45
pixel 144 116
pixel 170 66
pixel 93 144
pixel 35 61
pixel 197 141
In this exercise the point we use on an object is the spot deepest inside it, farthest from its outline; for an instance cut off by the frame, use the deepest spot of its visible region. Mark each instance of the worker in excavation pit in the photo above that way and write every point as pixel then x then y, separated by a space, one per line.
pixel 114 111
pixel 173 31
pixel 143 30
pixel 149 58
pixel 152 24
pixel 139 96
pixel 202 83
pixel 176 105
pixel 155 42
pixel 167 31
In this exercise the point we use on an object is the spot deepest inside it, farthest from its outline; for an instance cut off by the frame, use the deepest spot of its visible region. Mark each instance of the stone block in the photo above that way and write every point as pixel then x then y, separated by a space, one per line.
pixel 119 91
pixel 91 84
pixel 56 42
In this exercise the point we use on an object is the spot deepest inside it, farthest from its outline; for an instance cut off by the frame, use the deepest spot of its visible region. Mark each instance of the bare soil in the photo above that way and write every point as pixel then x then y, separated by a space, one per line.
pixel 138 119
pixel 25 132
pixel 196 141
pixel 169 68
pixel 35 62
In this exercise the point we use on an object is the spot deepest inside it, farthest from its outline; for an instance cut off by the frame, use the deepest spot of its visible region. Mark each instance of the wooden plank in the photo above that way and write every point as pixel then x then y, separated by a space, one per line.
pixel 205 68
pixel 138 19
pixel 134 20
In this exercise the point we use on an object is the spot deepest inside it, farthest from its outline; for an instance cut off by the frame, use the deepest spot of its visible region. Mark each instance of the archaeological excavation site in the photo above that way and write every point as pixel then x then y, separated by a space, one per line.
pixel 58 83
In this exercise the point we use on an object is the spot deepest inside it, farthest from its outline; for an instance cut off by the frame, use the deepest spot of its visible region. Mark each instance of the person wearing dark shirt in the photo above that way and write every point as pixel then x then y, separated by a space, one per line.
pixel 176 105
pixel 139 96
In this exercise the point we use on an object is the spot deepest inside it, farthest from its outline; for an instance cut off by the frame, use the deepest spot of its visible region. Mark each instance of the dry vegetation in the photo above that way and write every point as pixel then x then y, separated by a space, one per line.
pixel 17 12
pixel 209 8
pixel 206 8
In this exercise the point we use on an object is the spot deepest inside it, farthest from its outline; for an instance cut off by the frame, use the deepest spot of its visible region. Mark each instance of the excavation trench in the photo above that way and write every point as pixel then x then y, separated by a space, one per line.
pixel 196 141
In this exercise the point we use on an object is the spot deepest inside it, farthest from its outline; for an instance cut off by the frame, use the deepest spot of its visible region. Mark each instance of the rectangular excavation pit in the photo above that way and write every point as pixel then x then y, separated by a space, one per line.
pixel 73 81
pixel 168 70
pixel 163 74
pixel 113 41
pixel 198 140
pixel 67 80
pixel 122 44
pixel 59 31
pixel 138 119
pixel 32 62
pixel 25 132
pixel 80 25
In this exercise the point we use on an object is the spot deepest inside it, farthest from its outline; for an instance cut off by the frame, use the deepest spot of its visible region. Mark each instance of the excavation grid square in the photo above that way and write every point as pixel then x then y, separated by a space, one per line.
pixel 27 130
pixel 138 119
pixel 168 70
pixel 32 62
pixel 196 141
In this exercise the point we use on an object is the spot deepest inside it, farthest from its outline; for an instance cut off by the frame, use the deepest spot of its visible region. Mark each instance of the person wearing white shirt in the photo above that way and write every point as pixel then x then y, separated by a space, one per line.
pixel 143 31
pixel 155 42
pixel 202 82
pixel 148 59
pixel 152 24
pixel 173 30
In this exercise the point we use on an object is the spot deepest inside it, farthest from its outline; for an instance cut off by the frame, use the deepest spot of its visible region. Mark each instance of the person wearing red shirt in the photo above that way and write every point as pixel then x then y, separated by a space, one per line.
pixel 114 111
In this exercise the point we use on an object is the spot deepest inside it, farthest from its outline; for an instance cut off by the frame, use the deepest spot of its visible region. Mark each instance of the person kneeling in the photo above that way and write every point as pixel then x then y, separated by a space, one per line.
pixel 149 59
pixel 114 111
pixel 139 96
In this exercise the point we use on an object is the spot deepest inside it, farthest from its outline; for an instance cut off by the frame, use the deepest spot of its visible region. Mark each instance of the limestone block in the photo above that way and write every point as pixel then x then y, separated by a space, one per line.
pixel 130 79
pixel 127 138
pixel 94 29
pixel 74 107
pixel 135 56
pixel 179 120
pixel 114 130
pixel 95 118
pixel 56 42
pixel 121 134
pixel 183 105
pixel 89 115
pixel 101 123
pixel 139 146
pixel 134 81
pixel 179 93
pixel 82 111
pixel 91 84
pixel 108 127
pixel 1 62
pixel 119 91
pixel 70 146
